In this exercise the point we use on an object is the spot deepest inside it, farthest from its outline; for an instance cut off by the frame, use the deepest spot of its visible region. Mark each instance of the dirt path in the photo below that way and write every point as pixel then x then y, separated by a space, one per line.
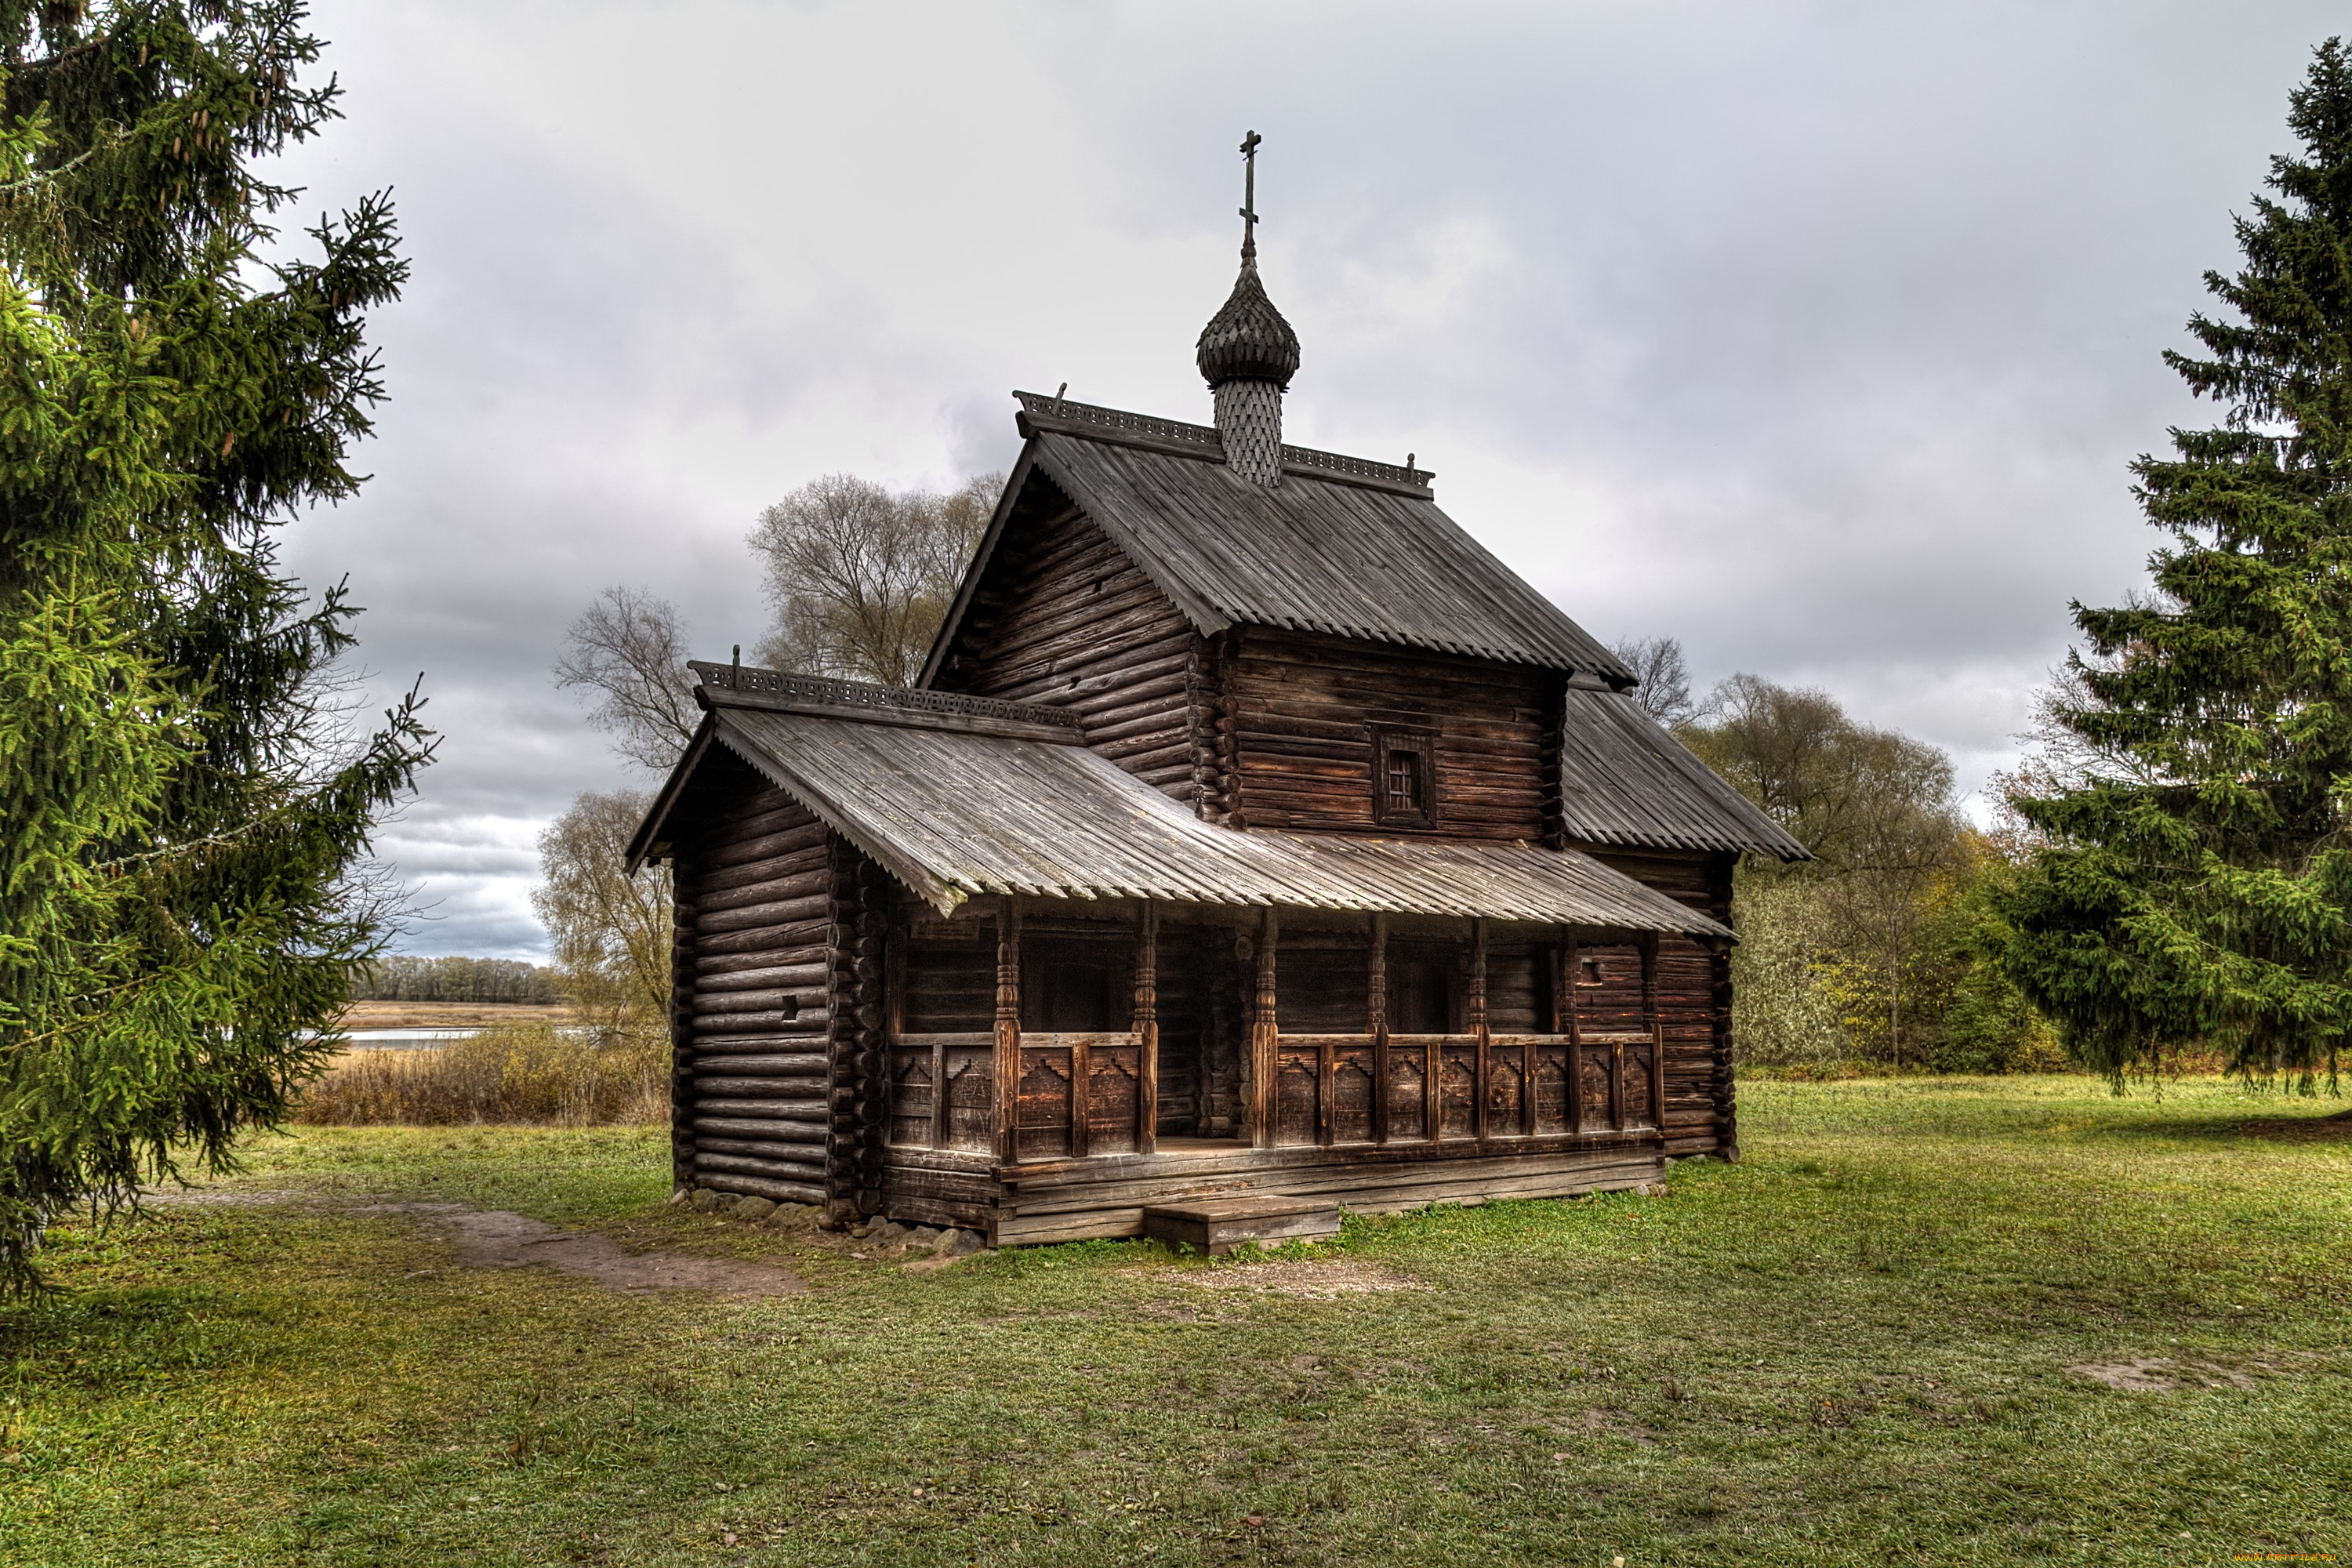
pixel 499 1239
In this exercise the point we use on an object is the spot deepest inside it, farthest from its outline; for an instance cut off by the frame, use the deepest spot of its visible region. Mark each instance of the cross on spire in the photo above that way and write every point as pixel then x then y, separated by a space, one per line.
pixel 1249 195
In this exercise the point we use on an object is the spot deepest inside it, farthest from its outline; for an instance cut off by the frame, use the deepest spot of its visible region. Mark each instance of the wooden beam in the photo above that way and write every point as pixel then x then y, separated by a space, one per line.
pixel 1263 1027
pixel 1655 1022
pixel 1327 1085
pixel 1008 1032
pixel 1147 1030
pixel 1570 966
pixel 1477 1022
pixel 1376 1023
pixel 1082 1091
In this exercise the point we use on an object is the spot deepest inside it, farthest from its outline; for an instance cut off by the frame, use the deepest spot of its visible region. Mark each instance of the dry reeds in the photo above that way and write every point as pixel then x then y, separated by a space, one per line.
pixel 513 1073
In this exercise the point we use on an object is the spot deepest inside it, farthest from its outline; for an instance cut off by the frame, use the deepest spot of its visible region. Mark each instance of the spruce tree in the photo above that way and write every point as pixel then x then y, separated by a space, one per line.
pixel 184 806
pixel 2193 884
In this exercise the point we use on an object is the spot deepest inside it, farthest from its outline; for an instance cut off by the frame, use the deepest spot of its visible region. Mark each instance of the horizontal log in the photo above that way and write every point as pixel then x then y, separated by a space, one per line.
pixel 808 1166
pixel 1154 706
pixel 751 873
pixel 764 810
pixel 794 1064
pixel 1175 753
pixel 738 848
pixel 1094 623
pixel 767 977
pixel 1139 670
pixel 714 1002
pixel 796 884
pixel 710 1089
pixel 751 1023
pixel 771 907
pixel 785 938
pixel 787 1107
pixel 814 1127
pixel 761 1148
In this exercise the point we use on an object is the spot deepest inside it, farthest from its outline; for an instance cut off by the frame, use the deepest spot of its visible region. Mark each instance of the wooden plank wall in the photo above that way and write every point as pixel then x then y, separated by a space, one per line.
pixel 1300 709
pixel 1694 993
pixel 752 1022
pixel 1064 617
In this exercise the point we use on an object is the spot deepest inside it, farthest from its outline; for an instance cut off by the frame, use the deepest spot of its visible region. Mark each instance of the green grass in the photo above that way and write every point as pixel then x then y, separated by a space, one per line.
pixel 1854 1347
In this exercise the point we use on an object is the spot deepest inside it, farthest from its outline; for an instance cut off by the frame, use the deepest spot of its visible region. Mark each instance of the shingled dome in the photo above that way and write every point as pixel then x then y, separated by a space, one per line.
pixel 1247 340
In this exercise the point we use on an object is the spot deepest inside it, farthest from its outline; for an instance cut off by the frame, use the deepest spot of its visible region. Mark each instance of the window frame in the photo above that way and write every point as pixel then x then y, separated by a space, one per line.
pixel 1420 741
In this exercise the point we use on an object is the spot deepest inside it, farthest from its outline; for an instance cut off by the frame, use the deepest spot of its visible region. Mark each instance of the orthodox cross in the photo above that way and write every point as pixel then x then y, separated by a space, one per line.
pixel 1249 194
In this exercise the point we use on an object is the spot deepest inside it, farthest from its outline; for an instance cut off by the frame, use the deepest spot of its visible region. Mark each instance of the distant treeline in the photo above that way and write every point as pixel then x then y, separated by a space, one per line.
pixel 453 980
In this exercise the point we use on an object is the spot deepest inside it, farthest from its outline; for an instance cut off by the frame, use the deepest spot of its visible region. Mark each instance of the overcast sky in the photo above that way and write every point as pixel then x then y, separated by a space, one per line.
pixel 1819 336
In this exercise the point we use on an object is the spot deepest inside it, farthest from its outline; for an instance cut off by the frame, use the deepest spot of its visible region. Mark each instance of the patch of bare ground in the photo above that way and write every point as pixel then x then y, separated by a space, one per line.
pixel 2154 1375
pixel 497 1238
pixel 1316 1279
pixel 214 1197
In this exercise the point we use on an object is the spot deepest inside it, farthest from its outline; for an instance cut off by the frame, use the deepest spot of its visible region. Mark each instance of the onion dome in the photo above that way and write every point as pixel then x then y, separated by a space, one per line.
pixel 1247 340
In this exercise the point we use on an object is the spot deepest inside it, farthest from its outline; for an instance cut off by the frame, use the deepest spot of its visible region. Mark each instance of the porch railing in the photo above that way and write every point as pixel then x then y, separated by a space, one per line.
pixel 1082 1094
pixel 1407 1088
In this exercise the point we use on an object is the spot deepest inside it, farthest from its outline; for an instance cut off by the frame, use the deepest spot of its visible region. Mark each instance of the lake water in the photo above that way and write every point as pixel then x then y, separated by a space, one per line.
pixel 405 1039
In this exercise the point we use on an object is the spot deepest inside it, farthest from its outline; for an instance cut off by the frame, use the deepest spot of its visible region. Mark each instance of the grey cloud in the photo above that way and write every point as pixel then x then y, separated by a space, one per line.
pixel 1817 334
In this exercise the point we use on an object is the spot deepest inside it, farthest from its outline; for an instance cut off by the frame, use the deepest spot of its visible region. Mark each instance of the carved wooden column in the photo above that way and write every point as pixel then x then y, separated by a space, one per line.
pixel 1147 1030
pixel 1476 1020
pixel 1570 967
pixel 1263 1026
pixel 1654 1021
pixel 1376 1023
pixel 1008 1032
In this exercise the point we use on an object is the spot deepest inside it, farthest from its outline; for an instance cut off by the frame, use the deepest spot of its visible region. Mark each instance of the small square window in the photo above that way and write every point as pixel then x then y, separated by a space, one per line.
pixel 1403 781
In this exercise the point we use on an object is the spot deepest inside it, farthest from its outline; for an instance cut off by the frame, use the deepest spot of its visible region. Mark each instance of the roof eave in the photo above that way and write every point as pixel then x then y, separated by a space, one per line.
pixel 644 841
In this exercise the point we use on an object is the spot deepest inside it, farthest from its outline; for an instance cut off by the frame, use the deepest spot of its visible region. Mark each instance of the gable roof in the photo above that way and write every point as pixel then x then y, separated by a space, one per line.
pixel 1344 546
pixel 955 802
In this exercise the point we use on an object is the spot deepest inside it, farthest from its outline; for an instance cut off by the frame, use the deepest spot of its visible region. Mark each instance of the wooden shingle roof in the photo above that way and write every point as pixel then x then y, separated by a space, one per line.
pixel 1624 782
pixel 1343 546
pixel 958 796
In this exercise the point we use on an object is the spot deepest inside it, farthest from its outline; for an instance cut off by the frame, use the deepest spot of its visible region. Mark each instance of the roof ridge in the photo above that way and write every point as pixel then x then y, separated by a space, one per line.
pixel 817 692
pixel 1088 418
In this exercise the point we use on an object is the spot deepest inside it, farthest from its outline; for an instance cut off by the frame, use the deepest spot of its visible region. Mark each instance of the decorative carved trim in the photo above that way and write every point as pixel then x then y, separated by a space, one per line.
pixel 1037 405
pixel 1061 410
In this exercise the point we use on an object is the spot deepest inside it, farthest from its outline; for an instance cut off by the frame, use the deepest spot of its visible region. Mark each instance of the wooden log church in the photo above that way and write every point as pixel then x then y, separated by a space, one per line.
pixel 1255 844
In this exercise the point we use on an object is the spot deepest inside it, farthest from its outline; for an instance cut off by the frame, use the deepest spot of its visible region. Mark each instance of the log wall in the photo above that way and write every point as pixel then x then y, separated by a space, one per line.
pixel 1064 617
pixel 1694 982
pixel 781 999
pixel 1298 713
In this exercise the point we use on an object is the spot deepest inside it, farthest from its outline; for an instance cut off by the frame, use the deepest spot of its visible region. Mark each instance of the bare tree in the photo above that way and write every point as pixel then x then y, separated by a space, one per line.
pixel 610 931
pixel 1664 693
pixel 861 578
pixel 630 648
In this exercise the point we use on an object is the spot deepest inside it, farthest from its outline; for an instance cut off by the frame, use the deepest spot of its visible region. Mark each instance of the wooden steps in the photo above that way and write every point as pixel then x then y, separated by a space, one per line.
pixel 1217 1226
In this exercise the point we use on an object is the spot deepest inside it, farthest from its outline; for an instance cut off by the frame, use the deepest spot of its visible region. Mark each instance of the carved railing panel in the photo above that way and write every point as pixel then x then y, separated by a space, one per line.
pixel 1457 1092
pixel 1043 1125
pixel 1350 1119
pixel 1408 1096
pixel 1113 1092
pixel 1552 1110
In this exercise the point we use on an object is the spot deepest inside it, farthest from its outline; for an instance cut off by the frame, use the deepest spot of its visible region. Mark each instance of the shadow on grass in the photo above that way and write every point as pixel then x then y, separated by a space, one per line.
pixel 2333 1127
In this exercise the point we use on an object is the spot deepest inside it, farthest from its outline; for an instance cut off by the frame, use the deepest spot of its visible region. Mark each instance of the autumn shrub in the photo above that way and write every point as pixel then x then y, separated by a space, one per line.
pixel 514 1073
